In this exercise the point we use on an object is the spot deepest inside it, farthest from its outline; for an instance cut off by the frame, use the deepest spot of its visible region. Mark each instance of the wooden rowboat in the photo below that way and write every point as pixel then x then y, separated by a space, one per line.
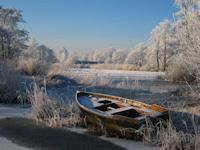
pixel 117 113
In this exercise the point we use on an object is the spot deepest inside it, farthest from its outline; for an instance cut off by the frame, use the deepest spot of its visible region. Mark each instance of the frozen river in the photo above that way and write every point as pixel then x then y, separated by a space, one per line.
pixel 115 74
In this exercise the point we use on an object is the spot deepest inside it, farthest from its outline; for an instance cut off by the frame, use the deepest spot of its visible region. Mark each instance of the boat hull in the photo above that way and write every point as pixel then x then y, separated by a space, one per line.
pixel 110 123
pixel 116 122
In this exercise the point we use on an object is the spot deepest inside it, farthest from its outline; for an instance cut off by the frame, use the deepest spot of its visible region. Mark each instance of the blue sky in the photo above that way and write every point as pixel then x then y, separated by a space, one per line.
pixel 85 25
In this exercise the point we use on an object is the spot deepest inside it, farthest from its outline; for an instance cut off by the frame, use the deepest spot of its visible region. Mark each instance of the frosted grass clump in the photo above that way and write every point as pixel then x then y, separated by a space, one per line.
pixel 51 110
pixel 165 135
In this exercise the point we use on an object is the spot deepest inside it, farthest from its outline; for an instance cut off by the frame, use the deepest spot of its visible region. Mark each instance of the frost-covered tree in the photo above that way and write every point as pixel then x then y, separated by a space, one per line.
pixel 188 32
pixel 161 44
pixel 130 59
pixel 155 50
pixel 39 52
pixel 188 27
pixel 119 56
pixel 186 58
pixel 141 50
pixel 100 55
pixel 36 59
pixel 91 56
pixel 32 50
pixel 83 57
pixel 46 54
pixel 71 58
pixel 166 42
pixel 108 52
pixel 108 60
pixel 137 56
pixel 12 39
pixel 63 55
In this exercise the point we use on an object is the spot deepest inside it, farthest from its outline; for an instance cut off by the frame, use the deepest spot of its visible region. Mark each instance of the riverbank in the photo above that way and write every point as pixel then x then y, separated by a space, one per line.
pixel 19 132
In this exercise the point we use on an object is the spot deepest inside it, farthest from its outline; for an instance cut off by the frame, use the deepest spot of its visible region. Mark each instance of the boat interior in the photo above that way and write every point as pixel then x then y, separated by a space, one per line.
pixel 114 107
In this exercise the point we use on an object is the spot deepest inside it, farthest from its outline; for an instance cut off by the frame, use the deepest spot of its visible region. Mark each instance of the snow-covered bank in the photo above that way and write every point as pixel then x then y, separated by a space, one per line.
pixel 127 144
pixel 17 111
pixel 14 110
pixel 11 111
pixel 8 145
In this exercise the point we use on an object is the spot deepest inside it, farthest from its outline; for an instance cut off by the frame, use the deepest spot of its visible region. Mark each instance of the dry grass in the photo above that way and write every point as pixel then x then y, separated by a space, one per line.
pixel 165 135
pixel 180 74
pixel 54 111
pixel 10 82
pixel 55 69
pixel 92 80
pixel 128 84
pixel 33 66
pixel 180 70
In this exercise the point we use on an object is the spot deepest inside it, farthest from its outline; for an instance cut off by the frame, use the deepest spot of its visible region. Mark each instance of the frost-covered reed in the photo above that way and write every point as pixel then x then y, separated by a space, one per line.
pixel 165 135
pixel 52 110
pixel 32 66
